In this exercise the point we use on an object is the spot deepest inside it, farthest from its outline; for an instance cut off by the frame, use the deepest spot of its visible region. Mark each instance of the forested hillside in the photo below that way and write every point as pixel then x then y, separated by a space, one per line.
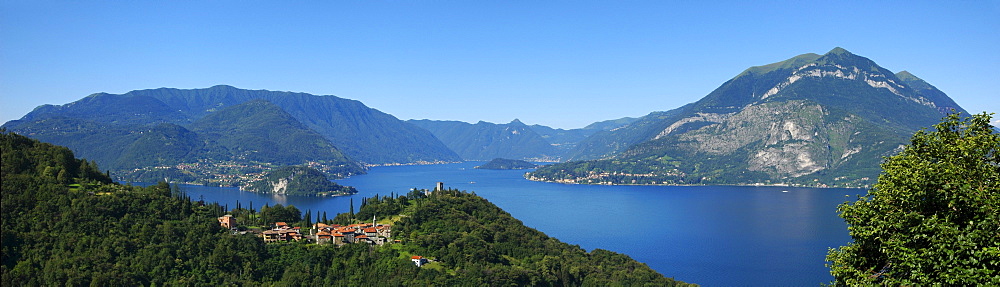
pixel 483 245
pixel 360 132
pixel 65 223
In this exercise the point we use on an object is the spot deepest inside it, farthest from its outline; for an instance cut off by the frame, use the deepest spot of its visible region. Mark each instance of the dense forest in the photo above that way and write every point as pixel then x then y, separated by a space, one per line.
pixel 66 223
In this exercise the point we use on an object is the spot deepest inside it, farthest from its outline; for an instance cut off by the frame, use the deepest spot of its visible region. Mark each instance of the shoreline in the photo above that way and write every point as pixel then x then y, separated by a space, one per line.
pixel 697 184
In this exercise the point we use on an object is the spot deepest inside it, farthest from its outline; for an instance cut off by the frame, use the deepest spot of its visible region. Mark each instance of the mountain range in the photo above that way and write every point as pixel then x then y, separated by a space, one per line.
pixel 818 120
pixel 189 134
pixel 484 141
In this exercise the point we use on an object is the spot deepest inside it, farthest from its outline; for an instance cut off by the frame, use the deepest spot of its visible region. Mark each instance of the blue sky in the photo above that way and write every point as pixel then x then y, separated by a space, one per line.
pixel 558 63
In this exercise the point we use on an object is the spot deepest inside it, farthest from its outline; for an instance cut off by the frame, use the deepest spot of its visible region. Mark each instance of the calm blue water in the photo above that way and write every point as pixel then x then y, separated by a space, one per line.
pixel 710 235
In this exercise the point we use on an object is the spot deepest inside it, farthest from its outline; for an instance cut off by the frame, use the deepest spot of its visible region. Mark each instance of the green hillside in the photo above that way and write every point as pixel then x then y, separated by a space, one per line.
pixel 225 147
pixel 65 223
pixel 360 132
pixel 262 132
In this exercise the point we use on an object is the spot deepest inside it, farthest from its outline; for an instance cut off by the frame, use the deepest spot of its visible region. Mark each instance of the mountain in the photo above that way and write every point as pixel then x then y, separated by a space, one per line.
pixel 612 141
pixel 819 120
pixel 566 141
pixel 245 138
pixel 360 132
pixel 562 139
pixel 609 125
pixel 261 131
pixel 485 141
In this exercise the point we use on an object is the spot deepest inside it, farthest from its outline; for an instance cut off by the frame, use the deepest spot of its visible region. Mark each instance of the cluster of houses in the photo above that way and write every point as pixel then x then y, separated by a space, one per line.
pixel 322 233
pixel 375 234
pixel 282 232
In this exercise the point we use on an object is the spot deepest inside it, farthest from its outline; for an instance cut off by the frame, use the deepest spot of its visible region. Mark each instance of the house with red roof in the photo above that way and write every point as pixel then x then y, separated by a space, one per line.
pixel 418 260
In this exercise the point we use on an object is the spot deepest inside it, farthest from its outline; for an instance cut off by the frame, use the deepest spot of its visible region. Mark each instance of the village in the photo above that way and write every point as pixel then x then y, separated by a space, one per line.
pixel 320 233
pixel 373 233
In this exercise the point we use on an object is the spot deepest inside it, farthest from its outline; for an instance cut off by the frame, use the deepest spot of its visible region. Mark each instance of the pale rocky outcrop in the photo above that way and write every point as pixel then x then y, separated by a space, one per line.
pixel 837 71
pixel 280 187
pixel 794 137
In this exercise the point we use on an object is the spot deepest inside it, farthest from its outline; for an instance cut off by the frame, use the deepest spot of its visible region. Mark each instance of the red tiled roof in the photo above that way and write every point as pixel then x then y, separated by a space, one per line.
pixel 370 230
pixel 338 235
pixel 361 236
pixel 417 257
pixel 281 224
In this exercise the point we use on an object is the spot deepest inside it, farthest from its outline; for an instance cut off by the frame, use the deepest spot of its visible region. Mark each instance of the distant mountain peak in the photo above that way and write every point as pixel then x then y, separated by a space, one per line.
pixel 907 76
pixel 839 51
pixel 794 62
pixel 841 57
pixel 516 122
pixel 222 87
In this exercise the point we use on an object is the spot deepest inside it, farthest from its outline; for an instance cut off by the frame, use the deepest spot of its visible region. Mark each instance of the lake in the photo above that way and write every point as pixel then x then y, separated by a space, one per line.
pixel 710 235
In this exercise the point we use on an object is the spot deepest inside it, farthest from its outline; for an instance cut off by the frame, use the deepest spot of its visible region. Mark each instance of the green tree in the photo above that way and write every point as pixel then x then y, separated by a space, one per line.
pixel 933 217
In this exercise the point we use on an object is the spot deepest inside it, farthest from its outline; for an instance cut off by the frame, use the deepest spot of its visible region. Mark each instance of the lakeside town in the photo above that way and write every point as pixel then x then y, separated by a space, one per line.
pixel 216 173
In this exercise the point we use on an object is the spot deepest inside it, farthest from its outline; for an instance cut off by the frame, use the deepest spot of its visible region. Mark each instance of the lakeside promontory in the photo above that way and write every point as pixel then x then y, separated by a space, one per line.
pixel 502 163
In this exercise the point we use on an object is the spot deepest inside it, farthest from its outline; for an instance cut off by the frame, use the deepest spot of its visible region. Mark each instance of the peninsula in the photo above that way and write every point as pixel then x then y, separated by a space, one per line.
pixel 502 163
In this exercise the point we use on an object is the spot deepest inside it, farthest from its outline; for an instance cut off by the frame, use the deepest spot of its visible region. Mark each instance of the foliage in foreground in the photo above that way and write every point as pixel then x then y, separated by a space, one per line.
pixel 933 217
pixel 64 223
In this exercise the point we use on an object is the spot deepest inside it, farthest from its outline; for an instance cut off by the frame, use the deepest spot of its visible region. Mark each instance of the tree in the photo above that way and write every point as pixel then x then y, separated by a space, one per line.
pixel 933 217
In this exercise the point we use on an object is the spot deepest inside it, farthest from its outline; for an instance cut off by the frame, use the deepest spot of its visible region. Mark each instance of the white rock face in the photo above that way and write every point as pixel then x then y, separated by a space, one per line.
pixel 788 138
pixel 837 71
pixel 848 152
pixel 793 159
pixel 280 187
pixel 700 117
